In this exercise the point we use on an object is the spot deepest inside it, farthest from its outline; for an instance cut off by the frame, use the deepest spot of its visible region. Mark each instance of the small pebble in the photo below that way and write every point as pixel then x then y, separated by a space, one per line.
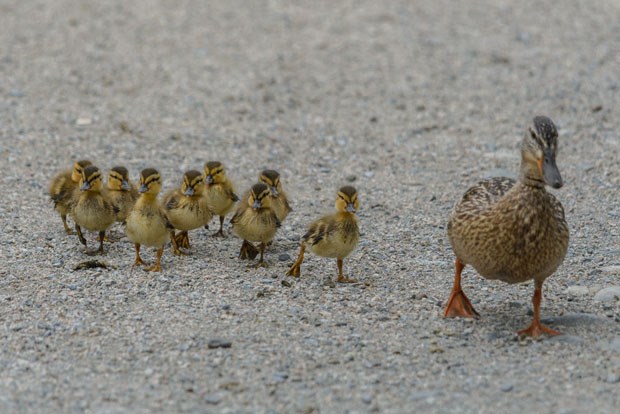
pixel 506 387
pixel 366 399
pixel 284 257
pixel 613 379
pixel 609 294
pixel 212 399
pixel 351 178
pixel 219 343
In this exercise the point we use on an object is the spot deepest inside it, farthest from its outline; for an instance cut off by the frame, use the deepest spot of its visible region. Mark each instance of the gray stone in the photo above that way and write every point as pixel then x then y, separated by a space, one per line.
pixel 284 257
pixel 506 387
pixel 213 399
pixel 613 378
pixel 577 290
pixel 608 294
pixel 219 343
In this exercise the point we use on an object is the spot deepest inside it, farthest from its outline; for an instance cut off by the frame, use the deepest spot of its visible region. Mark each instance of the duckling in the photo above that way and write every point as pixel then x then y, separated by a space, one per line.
pixel 511 230
pixel 122 193
pixel 91 207
pixel 334 236
pixel 187 208
pixel 255 221
pixel 147 223
pixel 279 201
pixel 62 187
pixel 220 192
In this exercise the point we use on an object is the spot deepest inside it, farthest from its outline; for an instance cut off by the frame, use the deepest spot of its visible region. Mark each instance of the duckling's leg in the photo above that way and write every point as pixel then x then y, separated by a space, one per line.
pixel 182 239
pixel 175 244
pixel 80 235
pixel 138 260
pixel 248 251
pixel 261 262
pixel 458 303
pixel 295 270
pixel 220 232
pixel 341 278
pixel 157 266
pixel 101 237
pixel 64 223
pixel 536 328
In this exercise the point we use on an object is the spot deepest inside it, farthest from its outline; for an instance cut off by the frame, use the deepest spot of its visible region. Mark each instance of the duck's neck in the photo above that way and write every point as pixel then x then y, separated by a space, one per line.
pixel 531 175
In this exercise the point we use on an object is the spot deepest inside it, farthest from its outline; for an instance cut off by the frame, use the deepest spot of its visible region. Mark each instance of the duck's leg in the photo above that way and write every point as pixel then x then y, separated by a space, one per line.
pixel 220 232
pixel 458 303
pixel 101 237
pixel 261 262
pixel 138 260
pixel 341 278
pixel 248 251
pixel 157 266
pixel 175 244
pixel 295 270
pixel 536 328
pixel 64 223
pixel 80 235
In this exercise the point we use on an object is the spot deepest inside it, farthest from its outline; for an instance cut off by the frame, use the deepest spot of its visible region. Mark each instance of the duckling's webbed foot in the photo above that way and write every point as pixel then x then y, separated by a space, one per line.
pixel 101 238
pixel 175 245
pixel 157 266
pixel 295 269
pixel 261 262
pixel 138 261
pixel 182 240
pixel 341 278
pixel 458 302
pixel 248 251
pixel 220 232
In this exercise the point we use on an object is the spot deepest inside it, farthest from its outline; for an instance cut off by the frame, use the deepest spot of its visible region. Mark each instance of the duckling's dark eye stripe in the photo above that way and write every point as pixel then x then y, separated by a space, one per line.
pixel 151 180
pixel 116 177
pixel 92 178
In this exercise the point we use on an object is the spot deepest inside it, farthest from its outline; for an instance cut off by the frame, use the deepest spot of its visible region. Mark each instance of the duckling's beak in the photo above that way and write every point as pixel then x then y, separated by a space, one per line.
pixel 85 186
pixel 257 204
pixel 209 179
pixel 189 191
pixel 125 185
pixel 274 191
pixel 350 207
pixel 550 171
pixel 143 188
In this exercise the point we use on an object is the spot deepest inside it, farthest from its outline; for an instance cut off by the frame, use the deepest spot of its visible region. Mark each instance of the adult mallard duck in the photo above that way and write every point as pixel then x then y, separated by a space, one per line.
pixel 511 230
pixel 335 235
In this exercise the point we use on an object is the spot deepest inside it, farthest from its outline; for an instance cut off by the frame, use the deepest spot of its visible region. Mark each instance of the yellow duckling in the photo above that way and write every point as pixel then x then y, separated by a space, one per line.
pixel 122 193
pixel 511 230
pixel 62 188
pixel 334 236
pixel 91 207
pixel 255 221
pixel 187 208
pixel 279 201
pixel 147 223
pixel 220 192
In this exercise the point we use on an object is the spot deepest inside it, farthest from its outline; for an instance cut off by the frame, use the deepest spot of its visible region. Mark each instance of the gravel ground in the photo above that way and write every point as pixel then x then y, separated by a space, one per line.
pixel 411 102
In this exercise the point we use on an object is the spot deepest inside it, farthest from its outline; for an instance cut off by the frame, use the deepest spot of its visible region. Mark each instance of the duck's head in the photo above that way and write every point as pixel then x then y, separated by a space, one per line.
pixel 346 200
pixel 91 179
pixel 214 172
pixel 118 179
pixel 193 183
pixel 272 179
pixel 78 167
pixel 259 196
pixel 150 181
pixel 538 150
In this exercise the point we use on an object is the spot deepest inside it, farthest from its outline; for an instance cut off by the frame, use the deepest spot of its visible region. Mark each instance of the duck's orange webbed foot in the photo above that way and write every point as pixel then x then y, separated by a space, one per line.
pixel 459 305
pixel 536 329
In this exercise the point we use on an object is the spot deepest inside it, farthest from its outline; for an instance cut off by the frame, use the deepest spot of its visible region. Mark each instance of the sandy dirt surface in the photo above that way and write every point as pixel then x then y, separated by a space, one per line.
pixel 412 102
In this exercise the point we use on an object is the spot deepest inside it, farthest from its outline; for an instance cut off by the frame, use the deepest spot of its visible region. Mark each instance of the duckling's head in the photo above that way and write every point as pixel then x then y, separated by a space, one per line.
pixel 272 179
pixel 214 172
pixel 91 179
pixel 193 183
pixel 347 201
pixel 538 150
pixel 78 167
pixel 118 179
pixel 150 181
pixel 259 196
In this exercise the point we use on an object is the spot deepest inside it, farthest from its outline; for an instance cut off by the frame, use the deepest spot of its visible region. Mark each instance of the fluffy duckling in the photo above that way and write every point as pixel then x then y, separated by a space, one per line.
pixel 511 230
pixel 62 188
pixel 187 208
pixel 279 201
pixel 334 236
pixel 220 192
pixel 147 223
pixel 255 221
pixel 91 207
pixel 122 193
